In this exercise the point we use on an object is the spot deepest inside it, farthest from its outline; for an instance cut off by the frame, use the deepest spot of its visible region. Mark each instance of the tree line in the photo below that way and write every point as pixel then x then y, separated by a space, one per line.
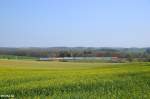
pixel 78 52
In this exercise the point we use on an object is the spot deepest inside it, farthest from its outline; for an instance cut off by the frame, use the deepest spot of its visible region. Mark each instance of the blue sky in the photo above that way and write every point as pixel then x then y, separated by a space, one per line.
pixel 95 23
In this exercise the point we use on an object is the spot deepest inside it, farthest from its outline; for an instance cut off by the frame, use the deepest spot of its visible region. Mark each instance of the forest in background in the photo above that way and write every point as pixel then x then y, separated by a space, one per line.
pixel 77 52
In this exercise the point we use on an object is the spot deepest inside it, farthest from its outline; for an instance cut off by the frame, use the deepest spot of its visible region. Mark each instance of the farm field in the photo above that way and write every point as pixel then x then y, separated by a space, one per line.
pixel 72 80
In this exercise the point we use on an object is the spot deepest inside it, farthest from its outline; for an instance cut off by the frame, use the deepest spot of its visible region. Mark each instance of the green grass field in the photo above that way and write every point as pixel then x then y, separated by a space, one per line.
pixel 68 80
pixel 17 57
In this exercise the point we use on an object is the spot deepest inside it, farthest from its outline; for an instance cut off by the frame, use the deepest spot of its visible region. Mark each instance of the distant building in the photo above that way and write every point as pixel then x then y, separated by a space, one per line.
pixel 79 58
pixel 43 59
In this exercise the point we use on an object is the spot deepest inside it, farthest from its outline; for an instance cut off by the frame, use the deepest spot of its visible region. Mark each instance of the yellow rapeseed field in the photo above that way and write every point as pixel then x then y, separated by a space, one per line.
pixel 72 80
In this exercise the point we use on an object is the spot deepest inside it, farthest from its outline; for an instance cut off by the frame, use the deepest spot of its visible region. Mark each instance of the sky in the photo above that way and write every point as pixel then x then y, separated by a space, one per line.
pixel 75 23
